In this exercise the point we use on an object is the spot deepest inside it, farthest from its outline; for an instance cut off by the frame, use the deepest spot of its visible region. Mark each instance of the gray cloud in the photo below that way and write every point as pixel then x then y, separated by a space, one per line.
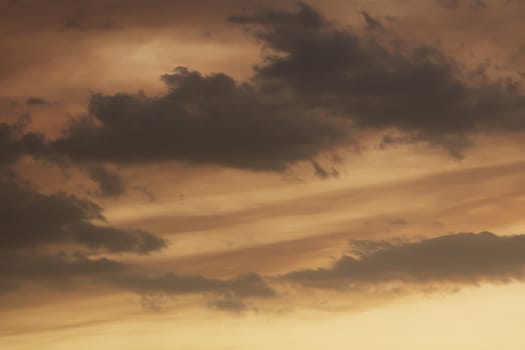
pixel 53 270
pixel 420 92
pixel 372 23
pixel 464 258
pixel 110 183
pixel 323 173
pixel 15 142
pixel 318 84
pixel 250 285
pixel 30 219
pixel 36 101
pixel 203 119
pixel 75 270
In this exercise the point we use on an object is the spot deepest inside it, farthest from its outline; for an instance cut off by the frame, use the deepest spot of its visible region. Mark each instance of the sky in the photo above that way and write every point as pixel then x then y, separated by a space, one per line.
pixel 260 174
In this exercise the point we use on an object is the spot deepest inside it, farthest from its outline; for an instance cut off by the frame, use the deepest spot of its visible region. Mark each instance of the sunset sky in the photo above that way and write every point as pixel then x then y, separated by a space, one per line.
pixel 262 174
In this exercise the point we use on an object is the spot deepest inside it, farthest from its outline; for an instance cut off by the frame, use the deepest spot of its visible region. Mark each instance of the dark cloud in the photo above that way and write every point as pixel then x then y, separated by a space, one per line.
pixel 465 258
pixel 323 173
pixel 66 271
pixel 250 285
pixel 203 119
pixel 319 171
pixel 420 92
pixel 29 219
pixel 110 183
pixel 32 222
pixel 15 142
pixel 318 83
pixel 54 270
pixel 36 101
pixel 372 23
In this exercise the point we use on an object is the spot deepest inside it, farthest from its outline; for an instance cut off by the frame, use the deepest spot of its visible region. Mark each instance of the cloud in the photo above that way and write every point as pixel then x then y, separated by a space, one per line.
pixel 463 258
pixel 420 92
pixel 66 271
pixel 36 101
pixel 34 225
pixel 110 183
pixel 54 270
pixel 249 285
pixel 372 23
pixel 317 87
pixel 30 219
pixel 15 142
pixel 202 119
pixel 229 304
pixel 323 173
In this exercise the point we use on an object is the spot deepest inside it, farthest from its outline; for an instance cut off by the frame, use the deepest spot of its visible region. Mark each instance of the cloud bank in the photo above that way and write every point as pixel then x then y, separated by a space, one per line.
pixel 462 258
